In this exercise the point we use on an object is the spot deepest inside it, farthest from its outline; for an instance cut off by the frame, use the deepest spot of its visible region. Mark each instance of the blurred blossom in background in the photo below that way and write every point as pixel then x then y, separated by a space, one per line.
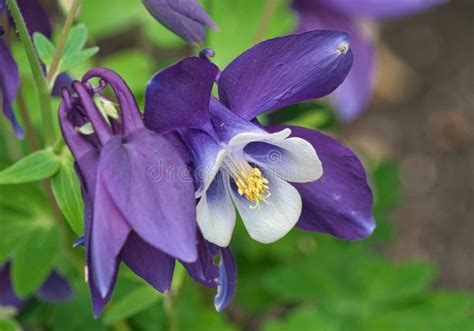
pixel 406 111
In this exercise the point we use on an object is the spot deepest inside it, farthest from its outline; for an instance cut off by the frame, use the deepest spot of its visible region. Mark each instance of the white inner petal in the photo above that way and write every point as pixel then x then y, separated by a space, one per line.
pixel 215 212
pixel 293 159
pixel 248 137
pixel 274 218
pixel 207 175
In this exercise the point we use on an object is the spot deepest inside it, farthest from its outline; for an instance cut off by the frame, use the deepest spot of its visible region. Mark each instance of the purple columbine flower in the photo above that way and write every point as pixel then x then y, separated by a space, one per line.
pixel 276 176
pixel 354 17
pixel 36 19
pixel 138 193
pixel 54 289
pixel 186 18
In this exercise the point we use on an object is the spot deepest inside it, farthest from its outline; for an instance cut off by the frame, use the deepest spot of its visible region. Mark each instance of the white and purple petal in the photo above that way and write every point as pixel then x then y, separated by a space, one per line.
pixel 273 219
pixel 215 212
pixel 292 159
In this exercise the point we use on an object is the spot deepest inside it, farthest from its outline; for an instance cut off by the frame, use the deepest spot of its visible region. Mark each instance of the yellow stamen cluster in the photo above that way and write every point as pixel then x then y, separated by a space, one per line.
pixel 253 186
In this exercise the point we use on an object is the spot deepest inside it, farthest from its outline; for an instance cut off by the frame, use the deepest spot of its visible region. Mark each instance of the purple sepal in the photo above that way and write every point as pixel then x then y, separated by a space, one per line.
pixel 353 95
pixel 186 18
pixel 138 194
pixel 35 16
pixel 283 71
pixel 9 85
pixel 178 96
pixel 7 295
pixel 55 289
pixel 377 8
pixel 152 188
pixel 63 80
pixel 340 202
pixel 204 270
pixel 148 262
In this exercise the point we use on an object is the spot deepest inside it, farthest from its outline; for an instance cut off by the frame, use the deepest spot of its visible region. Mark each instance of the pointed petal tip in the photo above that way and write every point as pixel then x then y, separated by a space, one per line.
pixel 367 229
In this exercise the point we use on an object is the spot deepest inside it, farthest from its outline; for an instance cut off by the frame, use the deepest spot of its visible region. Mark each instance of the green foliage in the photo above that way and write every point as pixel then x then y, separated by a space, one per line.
pixel 348 284
pixel 242 27
pixel 73 53
pixel 44 47
pixel 36 166
pixel 9 325
pixel 306 318
pixel 67 191
pixel 75 41
pixel 76 315
pixel 34 259
pixel 137 300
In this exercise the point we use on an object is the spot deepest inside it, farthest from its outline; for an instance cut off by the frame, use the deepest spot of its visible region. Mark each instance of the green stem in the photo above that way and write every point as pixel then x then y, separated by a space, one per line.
pixel 170 311
pixel 33 140
pixel 268 12
pixel 59 145
pixel 53 68
pixel 40 81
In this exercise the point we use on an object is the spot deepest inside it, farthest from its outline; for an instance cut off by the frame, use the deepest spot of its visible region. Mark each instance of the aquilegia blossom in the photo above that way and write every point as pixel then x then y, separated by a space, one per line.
pixel 138 195
pixel 36 20
pixel 54 289
pixel 352 16
pixel 186 18
pixel 279 176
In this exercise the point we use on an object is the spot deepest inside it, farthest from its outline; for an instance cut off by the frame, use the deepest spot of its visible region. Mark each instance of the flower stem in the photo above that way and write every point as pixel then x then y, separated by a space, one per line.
pixel 40 81
pixel 53 68
pixel 269 10
pixel 170 311
pixel 25 116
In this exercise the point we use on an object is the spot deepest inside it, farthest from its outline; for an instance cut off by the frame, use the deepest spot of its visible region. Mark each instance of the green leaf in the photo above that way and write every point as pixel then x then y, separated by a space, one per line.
pixel 76 40
pixel 34 259
pixel 36 166
pixel 44 47
pixel 14 231
pixel 16 221
pixel 304 319
pixel 66 189
pixel 76 315
pixel 9 325
pixel 77 58
pixel 136 301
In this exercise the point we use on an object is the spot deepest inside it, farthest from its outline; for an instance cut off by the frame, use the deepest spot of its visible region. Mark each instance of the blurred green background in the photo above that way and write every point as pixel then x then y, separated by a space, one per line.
pixel 390 282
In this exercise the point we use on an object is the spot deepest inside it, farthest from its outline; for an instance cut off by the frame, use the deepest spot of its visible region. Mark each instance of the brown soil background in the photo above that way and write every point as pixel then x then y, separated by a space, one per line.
pixel 425 121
